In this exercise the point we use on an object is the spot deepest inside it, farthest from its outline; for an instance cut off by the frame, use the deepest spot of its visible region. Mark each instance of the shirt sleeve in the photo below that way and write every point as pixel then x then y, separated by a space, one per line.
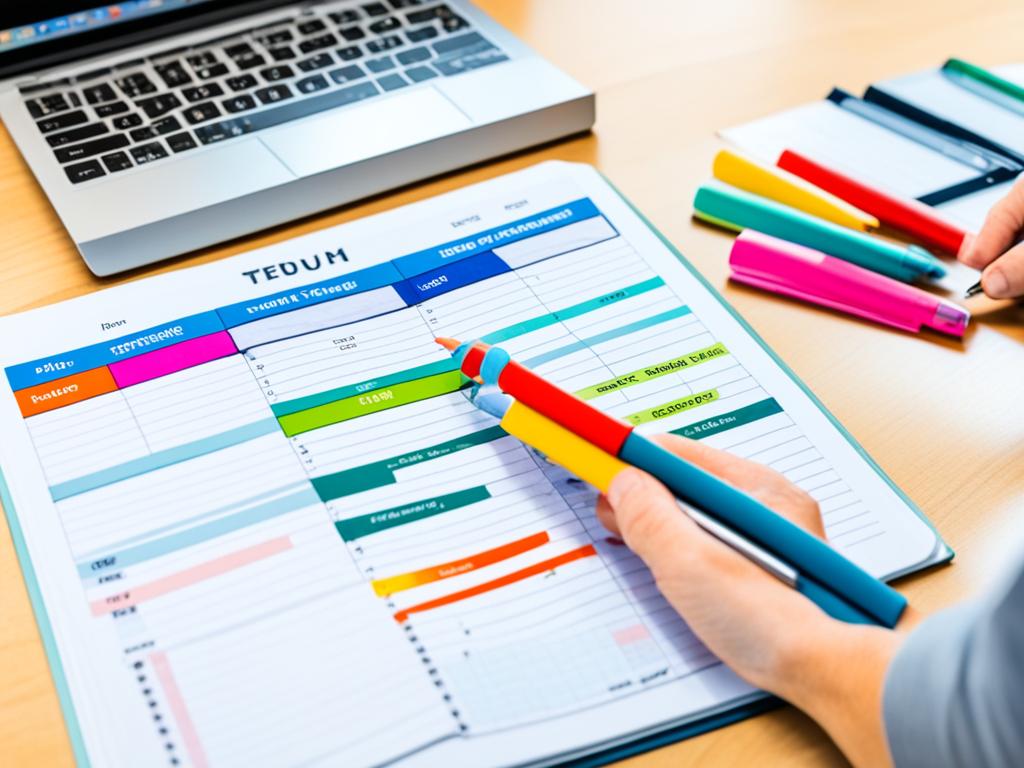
pixel 954 694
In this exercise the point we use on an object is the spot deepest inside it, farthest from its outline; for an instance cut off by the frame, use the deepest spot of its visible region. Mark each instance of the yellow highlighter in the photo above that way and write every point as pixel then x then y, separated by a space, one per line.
pixel 782 186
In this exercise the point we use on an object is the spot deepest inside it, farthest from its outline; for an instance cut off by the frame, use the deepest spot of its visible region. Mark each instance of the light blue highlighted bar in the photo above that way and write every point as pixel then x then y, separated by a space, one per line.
pixel 162 459
pixel 198 534
pixel 615 333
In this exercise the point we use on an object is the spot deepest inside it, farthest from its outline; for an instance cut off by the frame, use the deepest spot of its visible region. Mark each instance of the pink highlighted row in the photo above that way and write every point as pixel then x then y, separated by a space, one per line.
pixel 161 362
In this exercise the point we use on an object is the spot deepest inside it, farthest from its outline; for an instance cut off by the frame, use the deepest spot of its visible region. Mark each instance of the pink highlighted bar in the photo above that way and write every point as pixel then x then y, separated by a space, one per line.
pixel 187 729
pixel 189 576
pixel 630 635
pixel 178 357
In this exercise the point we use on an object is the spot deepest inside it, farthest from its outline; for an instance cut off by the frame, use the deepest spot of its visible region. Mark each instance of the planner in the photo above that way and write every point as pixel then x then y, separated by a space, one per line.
pixel 261 524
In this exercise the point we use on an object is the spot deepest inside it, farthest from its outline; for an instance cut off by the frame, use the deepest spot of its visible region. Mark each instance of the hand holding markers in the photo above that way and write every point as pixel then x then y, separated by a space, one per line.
pixel 997 249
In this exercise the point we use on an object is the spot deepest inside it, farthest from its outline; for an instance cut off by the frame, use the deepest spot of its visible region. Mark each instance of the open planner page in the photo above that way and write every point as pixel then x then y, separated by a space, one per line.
pixel 263 525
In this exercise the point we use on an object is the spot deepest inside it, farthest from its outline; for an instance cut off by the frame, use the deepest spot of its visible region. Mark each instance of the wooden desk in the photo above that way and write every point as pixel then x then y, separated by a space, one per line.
pixel 943 418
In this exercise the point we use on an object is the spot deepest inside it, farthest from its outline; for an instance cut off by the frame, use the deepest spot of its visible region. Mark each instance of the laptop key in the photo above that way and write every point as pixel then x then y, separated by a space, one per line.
pixel 90 148
pixel 113 108
pixel 155 106
pixel 54 103
pixel 385 25
pixel 282 53
pixel 180 142
pixel 124 122
pixel 352 34
pixel 199 113
pixel 202 59
pixel 344 17
pixel 241 82
pixel 116 161
pixel 147 153
pixel 347 74
pixel 278 36
pixel 95 94
pixel 421 34
pixel 173 74
pixel 319 61
pixel 239 49
pixel 239 103
pixel 76 134
pixel 136 84
pixel 392 82
pixel 400 4
pixel 453 23
pixel 317 43
pixel 65 120
pixel 280 72
pixel 385 43
pixel 250 60
pixel 413 55
pixel 428 14
pixel 312 84
pixel 350 53
pixel 311 26
pixel 210 134
pixel 144 133
pixel 165 125
pixel 84 171
pixel 202 92
pixel 376 9
pixel 383 64
pixel 274 93
pixel 419 74
pixel 208 73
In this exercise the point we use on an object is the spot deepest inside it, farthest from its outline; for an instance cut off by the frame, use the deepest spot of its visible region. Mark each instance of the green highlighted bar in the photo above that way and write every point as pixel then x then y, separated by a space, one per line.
pixel 340 393
pixel 381 473
pixel 375 522
pixel 373 401
pixel 730 420
pixel 673 407
pixel 653 372
pixel 575 310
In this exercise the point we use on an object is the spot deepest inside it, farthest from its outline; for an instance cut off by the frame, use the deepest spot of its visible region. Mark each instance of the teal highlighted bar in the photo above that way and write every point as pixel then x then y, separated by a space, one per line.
pixel 162 459
pixel 198 534
pixel 615 333
pixel 375 522
pixel 726 421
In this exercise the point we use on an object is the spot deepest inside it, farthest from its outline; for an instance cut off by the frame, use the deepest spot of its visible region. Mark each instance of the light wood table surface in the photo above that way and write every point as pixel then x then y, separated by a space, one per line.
pixel 943 418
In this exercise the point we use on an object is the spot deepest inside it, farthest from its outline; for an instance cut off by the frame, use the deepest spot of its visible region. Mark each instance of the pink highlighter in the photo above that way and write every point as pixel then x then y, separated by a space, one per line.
pixel 803 273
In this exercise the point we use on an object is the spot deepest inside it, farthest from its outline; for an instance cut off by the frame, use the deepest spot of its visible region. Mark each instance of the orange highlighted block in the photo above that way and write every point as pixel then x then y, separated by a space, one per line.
pixel 66 391
pixel 504 581
pixel 392 584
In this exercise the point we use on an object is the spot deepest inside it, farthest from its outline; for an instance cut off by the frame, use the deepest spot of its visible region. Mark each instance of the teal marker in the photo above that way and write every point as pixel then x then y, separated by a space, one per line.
pixel 733 208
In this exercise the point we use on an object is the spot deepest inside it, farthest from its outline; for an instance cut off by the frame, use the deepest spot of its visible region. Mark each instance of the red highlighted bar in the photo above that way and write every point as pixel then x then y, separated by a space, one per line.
pixel 161 362
pixel 904 214
pixel 504 581
pixel 67 391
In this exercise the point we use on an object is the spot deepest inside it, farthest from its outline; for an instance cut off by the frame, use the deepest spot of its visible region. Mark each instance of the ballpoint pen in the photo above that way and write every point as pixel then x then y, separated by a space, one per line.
pixel 974 290
pixel 596 446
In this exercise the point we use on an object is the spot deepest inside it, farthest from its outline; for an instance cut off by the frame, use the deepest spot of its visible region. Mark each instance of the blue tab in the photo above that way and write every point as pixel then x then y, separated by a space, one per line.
pixel 315 293
pixel 454 250
pixel 451 276
pixel 97 355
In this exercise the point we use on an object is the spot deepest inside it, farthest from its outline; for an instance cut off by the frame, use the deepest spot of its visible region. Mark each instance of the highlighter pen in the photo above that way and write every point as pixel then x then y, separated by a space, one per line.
pixel 835 584
pixel 983 76
pixel 738 210
pixel 802 273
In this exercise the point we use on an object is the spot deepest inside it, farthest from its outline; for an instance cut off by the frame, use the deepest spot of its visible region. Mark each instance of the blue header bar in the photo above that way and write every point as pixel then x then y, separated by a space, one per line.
pixel 98 355
pixel 553 218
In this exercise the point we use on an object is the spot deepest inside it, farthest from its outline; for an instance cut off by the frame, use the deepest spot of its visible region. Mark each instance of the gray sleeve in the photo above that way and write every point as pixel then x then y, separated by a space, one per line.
pixel 954 694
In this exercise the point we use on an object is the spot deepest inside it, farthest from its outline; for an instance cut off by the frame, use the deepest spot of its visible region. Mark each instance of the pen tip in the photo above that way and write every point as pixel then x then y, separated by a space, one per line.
pixel 450 344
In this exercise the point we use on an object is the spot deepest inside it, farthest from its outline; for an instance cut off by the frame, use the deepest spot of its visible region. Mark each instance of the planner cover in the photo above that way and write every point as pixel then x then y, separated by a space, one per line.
pixel 261 524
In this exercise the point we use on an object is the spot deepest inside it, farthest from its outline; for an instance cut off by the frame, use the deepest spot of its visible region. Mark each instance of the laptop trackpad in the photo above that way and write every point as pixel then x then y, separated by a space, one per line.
pixel 344 136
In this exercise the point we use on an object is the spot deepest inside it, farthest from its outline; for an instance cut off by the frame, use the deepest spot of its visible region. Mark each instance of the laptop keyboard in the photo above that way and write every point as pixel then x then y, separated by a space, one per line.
pixel 146 110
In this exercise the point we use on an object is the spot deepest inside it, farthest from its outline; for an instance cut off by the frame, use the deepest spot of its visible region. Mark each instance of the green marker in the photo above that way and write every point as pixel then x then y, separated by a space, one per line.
pixel 985 77
pixel 735 209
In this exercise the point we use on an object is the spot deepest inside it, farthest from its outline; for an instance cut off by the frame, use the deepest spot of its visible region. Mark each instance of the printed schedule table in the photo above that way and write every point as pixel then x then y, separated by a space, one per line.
pixel 287 500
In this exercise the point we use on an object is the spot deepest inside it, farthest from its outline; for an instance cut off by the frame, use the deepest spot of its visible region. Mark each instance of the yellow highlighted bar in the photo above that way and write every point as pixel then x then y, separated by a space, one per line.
pixel 403 581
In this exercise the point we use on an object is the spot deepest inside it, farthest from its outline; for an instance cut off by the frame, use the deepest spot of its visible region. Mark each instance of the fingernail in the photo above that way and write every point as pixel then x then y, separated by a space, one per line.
pixel 623 484
pixel 966 246
pixel 995 284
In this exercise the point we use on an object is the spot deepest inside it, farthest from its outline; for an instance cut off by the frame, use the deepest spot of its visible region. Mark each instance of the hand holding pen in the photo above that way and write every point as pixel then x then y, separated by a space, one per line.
pixel 997 249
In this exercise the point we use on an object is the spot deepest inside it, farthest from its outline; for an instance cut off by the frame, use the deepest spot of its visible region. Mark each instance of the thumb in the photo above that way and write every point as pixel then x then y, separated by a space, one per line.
pixel 650 520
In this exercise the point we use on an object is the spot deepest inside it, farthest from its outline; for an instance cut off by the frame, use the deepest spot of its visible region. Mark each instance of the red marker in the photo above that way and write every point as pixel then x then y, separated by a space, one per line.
pixel 906 215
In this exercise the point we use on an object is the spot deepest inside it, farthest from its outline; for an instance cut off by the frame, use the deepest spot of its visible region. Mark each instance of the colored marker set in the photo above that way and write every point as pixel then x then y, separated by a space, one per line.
pixel 805 233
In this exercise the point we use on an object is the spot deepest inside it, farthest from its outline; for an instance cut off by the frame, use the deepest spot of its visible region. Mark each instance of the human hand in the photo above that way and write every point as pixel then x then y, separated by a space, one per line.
pixel 769 634
pixel 995 248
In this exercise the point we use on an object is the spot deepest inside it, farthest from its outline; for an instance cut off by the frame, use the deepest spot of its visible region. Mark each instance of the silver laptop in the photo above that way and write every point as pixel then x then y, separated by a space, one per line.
pixel 161 126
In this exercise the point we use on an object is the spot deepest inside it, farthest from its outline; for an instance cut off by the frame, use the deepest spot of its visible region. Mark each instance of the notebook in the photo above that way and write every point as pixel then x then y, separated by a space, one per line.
pixel 261 524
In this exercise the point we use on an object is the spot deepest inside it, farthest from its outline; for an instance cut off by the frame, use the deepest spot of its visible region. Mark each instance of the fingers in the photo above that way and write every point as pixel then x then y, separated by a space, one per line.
pixel 1000 230
pixel 1004 278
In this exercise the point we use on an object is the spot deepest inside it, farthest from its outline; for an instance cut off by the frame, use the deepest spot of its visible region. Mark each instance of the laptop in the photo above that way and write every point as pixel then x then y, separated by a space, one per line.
pixel 161 126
